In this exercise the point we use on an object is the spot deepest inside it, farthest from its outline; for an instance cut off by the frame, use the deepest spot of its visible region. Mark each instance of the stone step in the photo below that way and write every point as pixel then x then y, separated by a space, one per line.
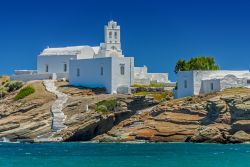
pixel 57 107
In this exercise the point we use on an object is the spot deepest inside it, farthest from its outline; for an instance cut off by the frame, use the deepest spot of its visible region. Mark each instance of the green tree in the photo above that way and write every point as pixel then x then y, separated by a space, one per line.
pixel 181 65
pixel 196 63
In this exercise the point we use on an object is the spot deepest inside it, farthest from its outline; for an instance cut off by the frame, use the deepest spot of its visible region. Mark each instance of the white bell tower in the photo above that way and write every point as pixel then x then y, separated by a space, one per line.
pixel 112 39
pixel 112 36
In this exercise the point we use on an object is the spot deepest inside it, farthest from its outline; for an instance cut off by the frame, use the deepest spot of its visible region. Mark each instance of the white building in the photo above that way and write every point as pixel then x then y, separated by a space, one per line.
pixel 141 76
pixel 98 66
pixel 113 73
pixel 56 60
pixel 191 83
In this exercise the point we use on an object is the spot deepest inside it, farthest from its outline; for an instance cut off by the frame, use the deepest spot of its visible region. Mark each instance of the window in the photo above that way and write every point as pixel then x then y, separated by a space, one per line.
pixel 46 68
pixel 115 35
pixel 185 84
pixel 212 86
pixel 65 67
pixel 110 34
pixel 78 72
pixel 248 81
pixel 122 69
pixel 101 71
pixel 113 47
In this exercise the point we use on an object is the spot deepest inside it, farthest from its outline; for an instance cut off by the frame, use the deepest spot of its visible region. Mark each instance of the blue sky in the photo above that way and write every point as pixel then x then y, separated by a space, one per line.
pixel 156 32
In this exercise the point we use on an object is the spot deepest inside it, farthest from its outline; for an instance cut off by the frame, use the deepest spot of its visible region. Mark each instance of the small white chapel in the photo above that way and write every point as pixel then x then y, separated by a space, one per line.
pixel 97 66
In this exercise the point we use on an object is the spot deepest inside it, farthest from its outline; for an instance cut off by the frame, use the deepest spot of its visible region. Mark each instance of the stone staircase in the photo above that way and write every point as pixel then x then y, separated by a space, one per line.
pixel 57 107
pixel 57 113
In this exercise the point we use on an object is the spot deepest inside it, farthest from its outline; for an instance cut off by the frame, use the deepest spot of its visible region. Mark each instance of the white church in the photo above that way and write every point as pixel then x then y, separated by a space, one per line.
pixel 98 66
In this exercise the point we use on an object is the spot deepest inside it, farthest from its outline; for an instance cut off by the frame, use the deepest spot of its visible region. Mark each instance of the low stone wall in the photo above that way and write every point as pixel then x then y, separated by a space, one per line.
pixel 62 76
pixel 158 77
pixel 25 72
pixel 144 81
pixel 150 89
pixel 26 78
pixel 29 77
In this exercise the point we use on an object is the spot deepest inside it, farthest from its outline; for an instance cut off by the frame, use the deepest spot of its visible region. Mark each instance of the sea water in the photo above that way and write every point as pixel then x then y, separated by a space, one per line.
pixel 124 155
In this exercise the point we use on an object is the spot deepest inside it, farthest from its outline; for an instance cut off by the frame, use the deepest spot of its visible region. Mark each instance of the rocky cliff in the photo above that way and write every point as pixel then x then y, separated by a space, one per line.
pixel 26 118
pixel 218 118
pixel 222 117
pixel 31 118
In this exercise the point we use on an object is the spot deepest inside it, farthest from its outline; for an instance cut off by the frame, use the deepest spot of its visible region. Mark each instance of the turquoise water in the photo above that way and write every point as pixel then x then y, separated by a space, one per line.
pixel 123 155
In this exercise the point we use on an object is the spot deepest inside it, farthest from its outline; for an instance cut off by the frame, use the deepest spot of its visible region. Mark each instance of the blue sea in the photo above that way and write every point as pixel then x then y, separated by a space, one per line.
pixel 124 155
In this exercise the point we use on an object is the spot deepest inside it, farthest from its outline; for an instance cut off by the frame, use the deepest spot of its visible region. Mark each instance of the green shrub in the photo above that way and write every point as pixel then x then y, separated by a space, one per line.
pixel 4 82
pixel 106 106
pixel 26 91
pixel 101 109
pixel 159 96
pixel 3 92
pixel 143 93
pixel 13 85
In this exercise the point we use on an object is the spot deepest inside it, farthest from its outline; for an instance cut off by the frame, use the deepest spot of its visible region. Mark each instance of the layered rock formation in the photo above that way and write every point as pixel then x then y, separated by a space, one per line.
pixel 26 118
pixel 218 118
pixel 221 118
pixel 84 125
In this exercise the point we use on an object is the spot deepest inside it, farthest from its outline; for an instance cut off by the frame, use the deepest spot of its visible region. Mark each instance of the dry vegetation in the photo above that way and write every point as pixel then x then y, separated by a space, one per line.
pixel 4 79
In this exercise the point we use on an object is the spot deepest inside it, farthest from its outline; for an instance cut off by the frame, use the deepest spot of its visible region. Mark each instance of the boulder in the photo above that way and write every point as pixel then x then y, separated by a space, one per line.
pixel 208 134
pixel 239 137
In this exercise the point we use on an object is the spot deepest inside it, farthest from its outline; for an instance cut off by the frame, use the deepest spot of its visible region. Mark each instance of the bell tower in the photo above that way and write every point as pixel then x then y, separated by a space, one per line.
pixel 112 36
pixel 112 41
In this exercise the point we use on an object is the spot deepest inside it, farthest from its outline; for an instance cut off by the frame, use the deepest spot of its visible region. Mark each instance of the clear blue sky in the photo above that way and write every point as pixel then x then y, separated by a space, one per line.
pixel 157 33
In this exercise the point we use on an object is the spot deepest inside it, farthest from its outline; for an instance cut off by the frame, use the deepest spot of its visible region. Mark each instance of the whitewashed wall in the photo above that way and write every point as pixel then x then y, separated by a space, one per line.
pixel 210 75
pixel 120 82
pixel 140 72
pixel 90 73
pixel 86 52
pixel 230 81
pixel 25 72
pixel 55 63
pixel 158 77
pixel 26 78
pixel 144 81
pixel 142 76
pixel 200 81
pixel 112 80
pixel 30 77
pixel 62 76
pixel 181 90
pixel 206 86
